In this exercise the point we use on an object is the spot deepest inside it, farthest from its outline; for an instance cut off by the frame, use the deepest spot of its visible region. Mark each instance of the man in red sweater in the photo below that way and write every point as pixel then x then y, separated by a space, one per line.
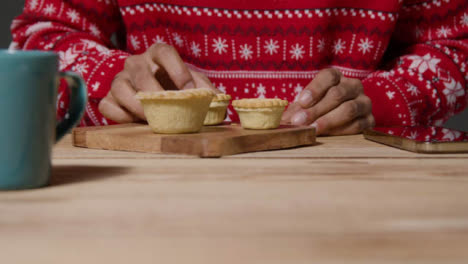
pixel 409 57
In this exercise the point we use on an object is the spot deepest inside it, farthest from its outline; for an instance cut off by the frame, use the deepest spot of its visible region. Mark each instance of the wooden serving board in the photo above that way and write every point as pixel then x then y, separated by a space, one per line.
pixel 212 141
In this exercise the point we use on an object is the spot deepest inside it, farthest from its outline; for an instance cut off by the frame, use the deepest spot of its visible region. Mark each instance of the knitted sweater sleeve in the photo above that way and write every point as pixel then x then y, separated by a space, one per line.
pixel 427 83
pixel 80 31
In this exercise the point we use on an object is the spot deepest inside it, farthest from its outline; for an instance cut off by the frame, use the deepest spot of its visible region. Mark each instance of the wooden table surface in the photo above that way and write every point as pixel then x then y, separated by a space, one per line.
pixel 345 200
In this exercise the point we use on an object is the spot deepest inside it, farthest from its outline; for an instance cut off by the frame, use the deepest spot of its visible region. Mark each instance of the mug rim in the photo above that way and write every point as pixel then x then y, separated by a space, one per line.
pixel 7 53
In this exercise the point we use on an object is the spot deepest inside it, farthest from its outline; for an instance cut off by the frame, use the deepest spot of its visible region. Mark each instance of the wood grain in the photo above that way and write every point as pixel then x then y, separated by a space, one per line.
pixel 214 141
pixel 344 147
pixel 321 204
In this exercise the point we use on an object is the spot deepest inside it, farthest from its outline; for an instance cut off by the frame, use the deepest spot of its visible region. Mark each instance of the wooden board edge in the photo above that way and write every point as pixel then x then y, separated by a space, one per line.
pixel 214 147
pixel 79 138
pixel 224 146
pixel 201 147
pixel 79 134
pixel 416 146
pixel 302 136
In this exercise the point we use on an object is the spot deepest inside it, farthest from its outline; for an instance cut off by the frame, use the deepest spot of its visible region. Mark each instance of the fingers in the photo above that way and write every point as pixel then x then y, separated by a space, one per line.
pixel 159 57
pixel 201 81
pixel 348 89
pixel 319 86
pixel 140 73
pixel 159 68
pixel 346 112
pixel 123 94
pixel 354 127
pixel 290 111
pixel 110 109
pixel 167 57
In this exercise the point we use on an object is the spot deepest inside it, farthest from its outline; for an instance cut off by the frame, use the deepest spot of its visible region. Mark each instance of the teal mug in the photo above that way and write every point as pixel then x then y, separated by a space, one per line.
pixel 28 91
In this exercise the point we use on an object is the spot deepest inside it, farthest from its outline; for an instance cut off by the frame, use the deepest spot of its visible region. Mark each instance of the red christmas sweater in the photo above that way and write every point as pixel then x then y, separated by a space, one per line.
pixel 410 55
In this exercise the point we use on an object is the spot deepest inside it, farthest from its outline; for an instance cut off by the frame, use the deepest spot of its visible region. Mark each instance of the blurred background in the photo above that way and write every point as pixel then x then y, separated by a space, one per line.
pixel 12 8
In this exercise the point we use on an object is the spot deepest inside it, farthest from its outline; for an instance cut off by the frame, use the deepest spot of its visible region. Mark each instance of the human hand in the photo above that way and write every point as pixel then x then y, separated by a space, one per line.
pixel 159 68
pixel 334 104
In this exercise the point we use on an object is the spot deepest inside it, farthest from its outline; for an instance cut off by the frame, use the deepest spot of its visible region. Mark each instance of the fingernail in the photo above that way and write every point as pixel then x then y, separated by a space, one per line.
pixel 299 119
pixel 314 125
pixel 189 85
pixel 306 98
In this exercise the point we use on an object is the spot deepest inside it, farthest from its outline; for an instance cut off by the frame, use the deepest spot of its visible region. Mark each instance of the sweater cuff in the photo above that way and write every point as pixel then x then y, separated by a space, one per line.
pixel 100 79
pixel 389 105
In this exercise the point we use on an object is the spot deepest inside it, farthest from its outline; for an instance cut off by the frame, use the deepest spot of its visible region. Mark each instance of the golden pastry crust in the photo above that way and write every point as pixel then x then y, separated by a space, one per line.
pixel 172 112
pixel 218 108
pixel 221 98
pixel 259 103
pixel 270 119
pixel 215 116
pixel 260 113
pixel 175 95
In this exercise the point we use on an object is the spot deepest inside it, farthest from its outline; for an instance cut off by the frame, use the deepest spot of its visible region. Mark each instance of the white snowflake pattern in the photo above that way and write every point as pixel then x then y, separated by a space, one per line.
pixel 338 46
pixel 67 58
pixel 297 90
pixel 49 46
pixel 96 86
pixel 390 95
pixel 464 20
pixel 450 134
pixel 297 51
pixel 229 114
pixel 444 32
pixel 413 90
pixel 94 30
pixel 261 91
pixel 365 45
pixel 221 88
pixel 386 74
pixel 135 42
pixel 178 39
pixel 424 63
pixel 220 45
pixel 413 135
pixel 195 47
pixel 159 39
pixel 81 68
pixel 33 4
pixel 321 45
pixel 49 10
pixel 453 90
pixel 94 45
pixel 73 15
pixel 246 51
pixel 271 46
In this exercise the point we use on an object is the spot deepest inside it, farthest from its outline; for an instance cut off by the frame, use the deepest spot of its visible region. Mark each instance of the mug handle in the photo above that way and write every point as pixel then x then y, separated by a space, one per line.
pixel 78 100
